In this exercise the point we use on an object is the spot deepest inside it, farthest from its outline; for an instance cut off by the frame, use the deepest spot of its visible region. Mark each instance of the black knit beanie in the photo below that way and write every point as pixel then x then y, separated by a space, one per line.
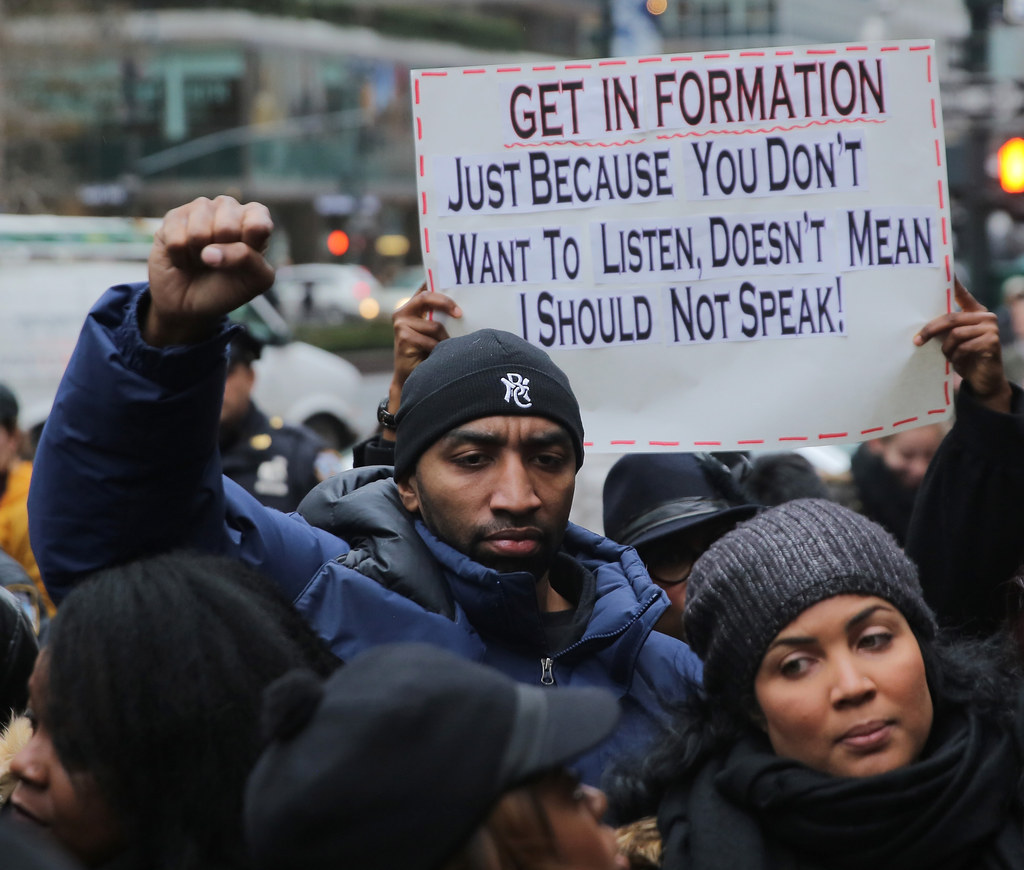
pixel 487 373
pixel 755 580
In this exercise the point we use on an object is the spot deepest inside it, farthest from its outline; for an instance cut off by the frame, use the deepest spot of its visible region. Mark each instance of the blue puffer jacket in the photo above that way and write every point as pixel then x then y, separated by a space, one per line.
pixel 128 466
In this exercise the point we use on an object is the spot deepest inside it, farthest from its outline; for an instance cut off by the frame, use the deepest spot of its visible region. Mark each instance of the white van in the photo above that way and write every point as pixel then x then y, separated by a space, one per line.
pixel 53 269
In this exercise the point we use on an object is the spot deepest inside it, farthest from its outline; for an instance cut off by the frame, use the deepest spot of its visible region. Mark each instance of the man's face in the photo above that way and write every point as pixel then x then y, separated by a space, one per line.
pixel 237 391
pixel 908 454
pixel 498 489
pixel 670 559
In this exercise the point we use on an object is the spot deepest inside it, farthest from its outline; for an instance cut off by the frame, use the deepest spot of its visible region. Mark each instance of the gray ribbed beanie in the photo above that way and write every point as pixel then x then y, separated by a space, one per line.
pixel 758 578
pixel 487 373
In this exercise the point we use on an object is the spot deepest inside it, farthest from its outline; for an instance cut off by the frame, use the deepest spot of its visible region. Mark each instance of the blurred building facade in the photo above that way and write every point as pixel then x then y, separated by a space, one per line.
pixel 153 104
pixel 147 109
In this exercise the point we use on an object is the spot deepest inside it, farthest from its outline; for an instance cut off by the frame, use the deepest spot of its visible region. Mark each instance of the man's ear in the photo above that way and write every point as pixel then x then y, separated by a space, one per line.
pixel 407 492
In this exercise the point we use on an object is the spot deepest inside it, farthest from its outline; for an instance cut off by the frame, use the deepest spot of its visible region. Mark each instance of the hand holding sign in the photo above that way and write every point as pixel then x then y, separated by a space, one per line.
pixel 970 341
pixel 417 333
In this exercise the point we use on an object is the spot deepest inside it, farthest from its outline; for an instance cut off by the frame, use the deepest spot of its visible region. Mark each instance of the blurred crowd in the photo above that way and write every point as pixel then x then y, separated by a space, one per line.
pixel 222 651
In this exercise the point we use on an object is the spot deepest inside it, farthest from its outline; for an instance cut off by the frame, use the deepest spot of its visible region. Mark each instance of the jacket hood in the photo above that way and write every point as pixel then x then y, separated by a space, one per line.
pixel 363 507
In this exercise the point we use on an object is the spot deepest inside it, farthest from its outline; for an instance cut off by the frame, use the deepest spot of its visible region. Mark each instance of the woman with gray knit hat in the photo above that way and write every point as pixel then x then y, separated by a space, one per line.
pixel 834 729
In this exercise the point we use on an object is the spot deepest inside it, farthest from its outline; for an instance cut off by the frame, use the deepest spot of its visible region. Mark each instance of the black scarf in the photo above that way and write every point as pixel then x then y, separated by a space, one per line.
pixel 959 807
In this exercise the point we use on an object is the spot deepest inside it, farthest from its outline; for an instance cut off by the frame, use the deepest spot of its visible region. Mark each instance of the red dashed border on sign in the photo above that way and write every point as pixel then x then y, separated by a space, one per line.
pixel 785 440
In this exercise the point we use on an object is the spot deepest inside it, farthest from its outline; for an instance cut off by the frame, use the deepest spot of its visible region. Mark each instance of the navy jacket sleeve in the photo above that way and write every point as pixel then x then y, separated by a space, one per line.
pixel 128 464
pixel 967 530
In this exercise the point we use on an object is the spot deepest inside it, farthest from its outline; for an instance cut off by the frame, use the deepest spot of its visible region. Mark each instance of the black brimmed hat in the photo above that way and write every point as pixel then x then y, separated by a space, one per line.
pixel 397 758
pixel 648 496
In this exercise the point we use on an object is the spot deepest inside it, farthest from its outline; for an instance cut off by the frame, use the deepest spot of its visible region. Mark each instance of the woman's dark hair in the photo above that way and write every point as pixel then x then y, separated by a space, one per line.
pixel 984 674
pixel 156 671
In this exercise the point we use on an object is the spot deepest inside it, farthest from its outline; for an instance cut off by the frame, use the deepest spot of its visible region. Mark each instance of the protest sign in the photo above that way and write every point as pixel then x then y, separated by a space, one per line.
pixel 723 250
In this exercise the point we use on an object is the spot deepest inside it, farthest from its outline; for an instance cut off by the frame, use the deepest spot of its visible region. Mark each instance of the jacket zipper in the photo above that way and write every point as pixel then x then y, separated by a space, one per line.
pixel 547 664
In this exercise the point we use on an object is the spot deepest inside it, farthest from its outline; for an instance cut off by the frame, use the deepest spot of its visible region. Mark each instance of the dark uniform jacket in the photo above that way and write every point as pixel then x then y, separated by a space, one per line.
pixel 273 460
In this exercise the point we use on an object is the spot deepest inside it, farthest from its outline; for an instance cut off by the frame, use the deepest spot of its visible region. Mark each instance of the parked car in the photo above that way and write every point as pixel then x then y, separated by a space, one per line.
pixel 327 293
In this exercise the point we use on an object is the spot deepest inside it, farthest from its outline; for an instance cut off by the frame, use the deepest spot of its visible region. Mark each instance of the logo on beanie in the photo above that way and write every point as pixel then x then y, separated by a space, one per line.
pixel 517 389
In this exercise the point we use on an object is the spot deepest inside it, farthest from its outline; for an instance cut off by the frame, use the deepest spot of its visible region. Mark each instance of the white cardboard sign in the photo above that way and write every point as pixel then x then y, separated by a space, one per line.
pixel 723 250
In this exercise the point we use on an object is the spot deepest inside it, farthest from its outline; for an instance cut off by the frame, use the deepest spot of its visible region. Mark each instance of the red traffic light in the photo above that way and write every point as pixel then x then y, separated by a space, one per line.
pixel 337 242
pixel 1010 158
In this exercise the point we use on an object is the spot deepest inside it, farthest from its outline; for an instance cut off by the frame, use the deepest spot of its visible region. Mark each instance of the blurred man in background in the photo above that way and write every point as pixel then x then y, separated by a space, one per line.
pixel 15 474
pixel 276 462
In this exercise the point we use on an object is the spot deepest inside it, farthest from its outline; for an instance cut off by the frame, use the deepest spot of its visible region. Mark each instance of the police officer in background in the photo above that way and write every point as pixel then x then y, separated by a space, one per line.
pixel 276 462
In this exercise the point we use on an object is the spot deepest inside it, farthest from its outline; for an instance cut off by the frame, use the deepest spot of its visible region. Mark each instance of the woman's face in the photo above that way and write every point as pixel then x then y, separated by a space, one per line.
pixel 68 804
pixel 574 813
pixel 842 688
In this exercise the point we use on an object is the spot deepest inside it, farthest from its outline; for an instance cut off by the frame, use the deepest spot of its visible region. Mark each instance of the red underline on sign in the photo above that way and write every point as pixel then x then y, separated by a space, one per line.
pixel 682 57
pixel 426 239
pixel 419 128
pixel 949 277
pixel 751 441
pixel 438 73
pixel 784 53
pixel 663 443
pixel 941 200
pixel 430 275
pixel 417 92
pixel 918 48
pixel 567 143
pixel 543 68
pixel 821 51
pixel 707 443
pixel 891 48
pixel 716 56
pixel 945 388
pixel 938 411
pixel 935 122
pixel 856 48
pixel 825 435
pixel 578 66
pixel 650 60
pixel 611 63
pixel 929 66
pixel 938 153
pixel 904 422
pixel 872 429
pixel 779 128
pixel 944 237
pixel 473 72
pixel 508 69
pixel 794 438
pixel 421 166
pixel 588 443
pixel 751 54
pixel 424 203
pixel 949 293
pixel 622 442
